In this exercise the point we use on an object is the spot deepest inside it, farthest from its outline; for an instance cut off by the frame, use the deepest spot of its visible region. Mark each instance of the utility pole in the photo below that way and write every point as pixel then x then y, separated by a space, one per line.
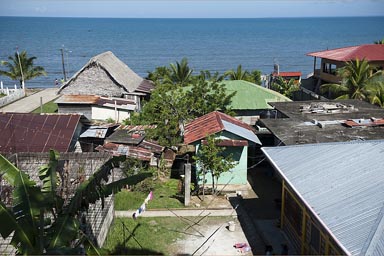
pixel 62 62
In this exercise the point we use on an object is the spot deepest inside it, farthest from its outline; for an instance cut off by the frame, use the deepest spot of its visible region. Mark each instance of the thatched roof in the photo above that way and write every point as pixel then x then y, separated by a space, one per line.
pixel 106 75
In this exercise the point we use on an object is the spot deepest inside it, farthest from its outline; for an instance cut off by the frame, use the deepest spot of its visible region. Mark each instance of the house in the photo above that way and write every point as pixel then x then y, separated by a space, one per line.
pixel 251 100
pixel 336 58
pixel 287 76
pixel 237 137
pixel 333 196
pixel 96 107
pixel 106 75
pixel 94 135
pixel 129 140
pixel 39 132
pixel 306 122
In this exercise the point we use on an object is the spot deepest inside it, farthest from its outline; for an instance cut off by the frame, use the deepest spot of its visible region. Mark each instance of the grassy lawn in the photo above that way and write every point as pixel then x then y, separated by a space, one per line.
pixel 165 195
pixel 155 235
pixel 49 107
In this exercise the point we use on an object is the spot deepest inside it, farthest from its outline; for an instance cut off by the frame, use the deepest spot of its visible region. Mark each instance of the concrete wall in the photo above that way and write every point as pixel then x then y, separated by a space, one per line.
pixel 103 113
pixel 14 94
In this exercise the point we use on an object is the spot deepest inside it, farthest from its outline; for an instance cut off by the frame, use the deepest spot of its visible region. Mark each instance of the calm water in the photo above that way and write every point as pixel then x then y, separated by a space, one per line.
pixel 209 44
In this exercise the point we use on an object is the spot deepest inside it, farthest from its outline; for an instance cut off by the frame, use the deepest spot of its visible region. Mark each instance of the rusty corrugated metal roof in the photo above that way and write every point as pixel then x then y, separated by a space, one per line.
pixel 36 133
pixel 78 99
pixel 212 123
pixel 289 74
pixel 369 52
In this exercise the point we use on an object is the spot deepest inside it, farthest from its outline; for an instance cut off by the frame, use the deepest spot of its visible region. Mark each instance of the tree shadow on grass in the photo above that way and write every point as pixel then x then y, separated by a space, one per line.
pixel 121 249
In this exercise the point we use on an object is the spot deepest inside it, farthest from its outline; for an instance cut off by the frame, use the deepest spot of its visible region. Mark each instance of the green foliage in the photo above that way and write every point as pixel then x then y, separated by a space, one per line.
pixel 41 222
pixel 49 107
pixel 356 77
pixel 379 41
pixel 155 235
pixel 211 158
pixel 170 107
pixel 254 76
pixel 284 87
pixel 27 71
pixel 165 194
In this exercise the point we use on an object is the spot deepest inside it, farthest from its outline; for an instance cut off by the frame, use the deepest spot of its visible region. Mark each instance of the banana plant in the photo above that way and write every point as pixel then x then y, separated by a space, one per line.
pixel 40 221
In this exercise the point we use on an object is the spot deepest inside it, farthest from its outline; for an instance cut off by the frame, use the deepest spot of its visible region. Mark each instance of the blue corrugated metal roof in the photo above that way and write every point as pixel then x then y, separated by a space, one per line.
pixel 343 183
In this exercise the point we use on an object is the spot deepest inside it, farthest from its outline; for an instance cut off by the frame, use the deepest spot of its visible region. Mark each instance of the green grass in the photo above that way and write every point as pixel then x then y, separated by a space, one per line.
pixel 165 195
pixel 155 236
pixel 49 107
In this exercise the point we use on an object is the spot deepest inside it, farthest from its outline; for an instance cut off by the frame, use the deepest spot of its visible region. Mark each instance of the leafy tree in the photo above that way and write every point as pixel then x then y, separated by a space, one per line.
pixel 239 74
pixel 355 75
pixel 284 87
pixel 181 72
pixel 376 93
pixel 254 76
pixel 21 68
pixel 40 220
pixel 171 108
pixel 379 41
pixel 211 158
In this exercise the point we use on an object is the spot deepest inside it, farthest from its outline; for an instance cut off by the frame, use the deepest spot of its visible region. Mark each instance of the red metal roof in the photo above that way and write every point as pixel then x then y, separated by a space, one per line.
pixel 370 52
pixel 364 122
pixel 287 74
pixel 209 124
pixel 36 133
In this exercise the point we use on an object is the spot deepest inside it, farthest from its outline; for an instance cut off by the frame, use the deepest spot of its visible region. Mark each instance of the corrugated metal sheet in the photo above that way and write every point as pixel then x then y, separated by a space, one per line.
pixel 370 52
pixel 287 74
pixel 36 133
pixel 94 132
pixel 241 131
pixel 213 123
pixel 343 183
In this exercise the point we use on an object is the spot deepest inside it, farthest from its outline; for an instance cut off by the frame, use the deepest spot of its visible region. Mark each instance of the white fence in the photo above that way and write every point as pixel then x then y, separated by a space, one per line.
pixel 11 94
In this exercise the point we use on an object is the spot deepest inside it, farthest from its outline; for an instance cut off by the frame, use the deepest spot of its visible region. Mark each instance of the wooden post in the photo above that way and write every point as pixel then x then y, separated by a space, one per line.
pixel 187 184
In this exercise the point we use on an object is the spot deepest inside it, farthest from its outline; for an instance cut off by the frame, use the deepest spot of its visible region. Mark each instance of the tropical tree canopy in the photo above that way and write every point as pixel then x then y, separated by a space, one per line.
pixel 254 76
pixel 379 41
pixel 171 108
pixel 21 68
pixel 284 87
pixel 355 77
pixel 41 221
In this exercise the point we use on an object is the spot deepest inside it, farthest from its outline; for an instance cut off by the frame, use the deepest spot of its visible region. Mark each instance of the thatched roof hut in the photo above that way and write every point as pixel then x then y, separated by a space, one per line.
pixel 106 75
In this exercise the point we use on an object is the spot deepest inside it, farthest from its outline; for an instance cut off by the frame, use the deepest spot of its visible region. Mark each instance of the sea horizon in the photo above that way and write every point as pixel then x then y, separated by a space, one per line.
pixel 214 44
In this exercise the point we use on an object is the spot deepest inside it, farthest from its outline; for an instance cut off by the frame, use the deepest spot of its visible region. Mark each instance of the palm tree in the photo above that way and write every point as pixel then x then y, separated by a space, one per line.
pixel 181 72
pixel 239 74
pixel 284 87
pixel 355 75
pixel 40 220
pixel 379 41
pixel 376 93
pixel 21 68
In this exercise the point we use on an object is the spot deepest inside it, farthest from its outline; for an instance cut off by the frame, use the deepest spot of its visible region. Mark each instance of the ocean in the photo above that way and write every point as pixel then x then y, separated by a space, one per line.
pixel 208 44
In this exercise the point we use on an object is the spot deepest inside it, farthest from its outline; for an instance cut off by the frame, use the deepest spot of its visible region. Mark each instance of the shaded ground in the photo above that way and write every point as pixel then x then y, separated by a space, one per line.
pixel 258 214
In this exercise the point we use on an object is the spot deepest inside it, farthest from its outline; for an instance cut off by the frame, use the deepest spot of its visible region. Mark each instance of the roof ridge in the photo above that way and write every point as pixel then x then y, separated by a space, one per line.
pixel 375 235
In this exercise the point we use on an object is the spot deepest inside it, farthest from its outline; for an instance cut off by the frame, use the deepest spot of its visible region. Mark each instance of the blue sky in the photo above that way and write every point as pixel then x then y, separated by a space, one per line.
pixel 191 9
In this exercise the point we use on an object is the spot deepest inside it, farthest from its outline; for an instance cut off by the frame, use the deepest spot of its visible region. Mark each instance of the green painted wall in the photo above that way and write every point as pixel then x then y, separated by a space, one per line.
pixel 238 174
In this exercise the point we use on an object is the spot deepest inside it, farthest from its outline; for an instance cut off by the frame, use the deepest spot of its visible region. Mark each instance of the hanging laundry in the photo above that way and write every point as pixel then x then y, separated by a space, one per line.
pixel 142 208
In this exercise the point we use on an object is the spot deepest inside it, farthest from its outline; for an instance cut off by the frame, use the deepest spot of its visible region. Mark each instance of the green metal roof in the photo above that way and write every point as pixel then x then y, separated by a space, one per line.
pixel 251 96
